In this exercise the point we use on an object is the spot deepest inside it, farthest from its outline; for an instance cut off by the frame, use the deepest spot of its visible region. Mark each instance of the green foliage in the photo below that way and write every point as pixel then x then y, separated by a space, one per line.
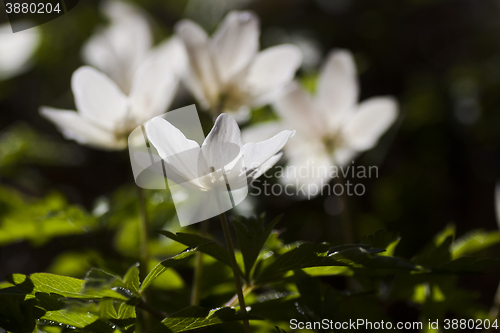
pixel 282 281
pixel 39 220
pixel 252 236
pixel 210 248
pixel 166 264
pixel 195 317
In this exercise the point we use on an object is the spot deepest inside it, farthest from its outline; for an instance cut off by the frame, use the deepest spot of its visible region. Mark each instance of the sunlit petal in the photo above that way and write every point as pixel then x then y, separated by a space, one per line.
pixel 97 98
pixel 337 85
pixel 255 154
pixel 271 70
pixel 80 129
pixel 370 121
pixel 202 78
pixel 235 43
pixel 153 88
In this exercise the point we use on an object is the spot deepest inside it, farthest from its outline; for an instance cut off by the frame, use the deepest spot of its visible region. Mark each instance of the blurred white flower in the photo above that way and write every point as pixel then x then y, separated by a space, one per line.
pixel 227 73
pixel 331 127
pixel 105 115
pixel 119 49
pixel 195 167
pixel 16 50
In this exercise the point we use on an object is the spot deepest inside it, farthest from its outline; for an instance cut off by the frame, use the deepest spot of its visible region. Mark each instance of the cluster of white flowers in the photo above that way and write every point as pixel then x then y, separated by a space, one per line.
pixel 131 82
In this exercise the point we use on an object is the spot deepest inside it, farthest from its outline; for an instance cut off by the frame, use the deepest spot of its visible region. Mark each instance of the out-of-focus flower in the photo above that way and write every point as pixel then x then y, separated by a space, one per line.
pixel 105 115
pixel 120 48
pixel 16 49
pixel 331 127
pixel 195 166
pixel 227 73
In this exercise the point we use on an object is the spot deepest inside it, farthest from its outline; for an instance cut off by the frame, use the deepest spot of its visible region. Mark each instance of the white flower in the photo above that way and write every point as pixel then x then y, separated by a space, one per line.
pixel 222 151
pixel 119 49
pixel 16 50
pixel 105 115
pixel 227 73
pixel 331 127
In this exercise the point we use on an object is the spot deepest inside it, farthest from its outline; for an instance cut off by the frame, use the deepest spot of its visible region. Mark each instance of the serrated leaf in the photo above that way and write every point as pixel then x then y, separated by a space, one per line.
pixel 194 317
pixel 192 240
pixel 166 264
pixel 62 285
pixel 252 236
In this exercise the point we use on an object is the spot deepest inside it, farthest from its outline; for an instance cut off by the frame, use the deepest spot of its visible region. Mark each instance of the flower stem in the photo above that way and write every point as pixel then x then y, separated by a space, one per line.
pixel 495 309
pixel 143 233
pixel 143 244
pixel 198 270
pixel 234 266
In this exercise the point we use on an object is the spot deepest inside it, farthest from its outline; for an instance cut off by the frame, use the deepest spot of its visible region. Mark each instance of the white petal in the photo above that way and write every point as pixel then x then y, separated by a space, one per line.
pixel 369 122
pixel 16 49
pixel 262 131
pixel 255 154
pixel 179 152
pixel 202 77
pixel 172 50
pixel 225 130
pixel 97 98
pixel 80 129
pixel 298 109
pixel 152 91
pixel 337 85
pixel 266 166
pixel 313 170
pixel 223 144
pixel 119 49
pixel 116 10
pixel 235 43
pixel 271 70
pixel 344 155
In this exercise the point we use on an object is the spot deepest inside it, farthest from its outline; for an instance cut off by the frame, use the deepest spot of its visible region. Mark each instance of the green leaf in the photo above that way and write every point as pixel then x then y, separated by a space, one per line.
pixel 252 236
pixel 383 239
pixel 70 318
pixel 166 264
pixel 62 285
pixel 192 240
pixel 474 241
pixel 194 317
pixel 360 257
pixel 131 279
pixel 305 255
pixel 319 255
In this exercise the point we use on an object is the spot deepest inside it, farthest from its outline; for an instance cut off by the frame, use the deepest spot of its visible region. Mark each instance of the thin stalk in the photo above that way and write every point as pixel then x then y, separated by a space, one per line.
pixel 495 309
pixel 344 214
pixel 198 270
pixel 144 250
pixel 247 289
pixel 234 266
